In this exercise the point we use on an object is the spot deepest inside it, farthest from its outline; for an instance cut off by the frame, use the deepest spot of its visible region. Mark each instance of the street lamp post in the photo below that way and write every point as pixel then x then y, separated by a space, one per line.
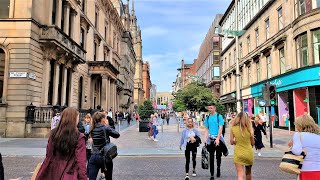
pixel 237 60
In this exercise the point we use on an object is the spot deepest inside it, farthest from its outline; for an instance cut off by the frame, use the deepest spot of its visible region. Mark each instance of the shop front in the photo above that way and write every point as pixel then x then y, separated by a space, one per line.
pixel 229 101
pixel 294 91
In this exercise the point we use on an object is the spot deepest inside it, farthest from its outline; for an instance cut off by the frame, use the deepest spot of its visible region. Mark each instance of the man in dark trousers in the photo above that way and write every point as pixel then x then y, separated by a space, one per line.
pixel 1 169
pixel 213 124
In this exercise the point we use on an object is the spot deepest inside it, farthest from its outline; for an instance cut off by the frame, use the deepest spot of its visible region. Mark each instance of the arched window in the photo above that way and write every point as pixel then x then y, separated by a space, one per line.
pixel 80 92
pixel 2 67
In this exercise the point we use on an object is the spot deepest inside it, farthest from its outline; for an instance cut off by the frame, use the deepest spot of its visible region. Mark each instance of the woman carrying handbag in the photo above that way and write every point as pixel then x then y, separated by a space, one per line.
pixel 66 151
pixel 100 134
pixel 307 139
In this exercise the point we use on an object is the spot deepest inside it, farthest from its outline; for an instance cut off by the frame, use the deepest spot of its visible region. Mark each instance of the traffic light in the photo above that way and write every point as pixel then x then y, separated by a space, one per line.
pixel 272 95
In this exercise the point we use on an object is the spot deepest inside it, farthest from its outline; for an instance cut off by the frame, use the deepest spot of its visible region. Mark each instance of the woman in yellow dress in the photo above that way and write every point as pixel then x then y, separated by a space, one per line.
pixel 242 137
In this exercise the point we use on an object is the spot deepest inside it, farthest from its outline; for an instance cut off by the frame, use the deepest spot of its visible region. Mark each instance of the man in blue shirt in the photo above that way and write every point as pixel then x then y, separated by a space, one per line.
pixel 214 124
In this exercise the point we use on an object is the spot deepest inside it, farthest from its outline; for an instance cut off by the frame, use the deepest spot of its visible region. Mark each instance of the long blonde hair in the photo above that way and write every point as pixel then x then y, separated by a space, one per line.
pixel 242 120
pixel 305 123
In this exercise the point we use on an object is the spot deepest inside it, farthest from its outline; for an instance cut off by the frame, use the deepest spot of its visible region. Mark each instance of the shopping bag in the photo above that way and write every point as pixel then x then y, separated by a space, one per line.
pixel 204 158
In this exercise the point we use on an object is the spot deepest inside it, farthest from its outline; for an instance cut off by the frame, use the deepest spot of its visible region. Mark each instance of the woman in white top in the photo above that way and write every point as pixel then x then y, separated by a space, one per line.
pixel 307 138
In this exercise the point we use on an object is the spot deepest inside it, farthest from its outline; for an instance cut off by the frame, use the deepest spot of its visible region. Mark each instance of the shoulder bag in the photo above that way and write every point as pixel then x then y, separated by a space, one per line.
pixel 109 151
pixel 292 163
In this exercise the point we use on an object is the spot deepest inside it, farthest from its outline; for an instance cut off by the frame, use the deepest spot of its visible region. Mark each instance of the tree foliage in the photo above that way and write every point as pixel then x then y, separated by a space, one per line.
pixel 196 97
pixel 146 109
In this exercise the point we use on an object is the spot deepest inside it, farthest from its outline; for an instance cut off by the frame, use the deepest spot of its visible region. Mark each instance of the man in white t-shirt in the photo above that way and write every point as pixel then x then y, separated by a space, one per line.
pixel 55 120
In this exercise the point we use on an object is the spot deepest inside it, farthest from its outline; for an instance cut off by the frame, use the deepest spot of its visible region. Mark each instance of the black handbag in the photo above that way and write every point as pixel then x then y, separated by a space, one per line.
pixel 204 158
pixel 109 151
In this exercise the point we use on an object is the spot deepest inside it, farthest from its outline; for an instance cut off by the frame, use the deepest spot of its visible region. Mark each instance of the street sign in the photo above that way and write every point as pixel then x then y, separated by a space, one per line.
pixel 262 103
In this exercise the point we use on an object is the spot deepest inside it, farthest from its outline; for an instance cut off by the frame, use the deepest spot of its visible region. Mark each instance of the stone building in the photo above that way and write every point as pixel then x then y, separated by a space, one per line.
pixel 146 80
pixel 60 53
pixel 278 43
pixel 187 73
pixel 165 98
pixel 208 61
pixel 137 41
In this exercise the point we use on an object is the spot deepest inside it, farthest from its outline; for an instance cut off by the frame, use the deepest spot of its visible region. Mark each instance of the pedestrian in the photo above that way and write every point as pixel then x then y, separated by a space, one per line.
pixel 189 143
pixel 117 117
pixel 154 127
pixel 213 137
pixel 150 132
pixel 137 117
pixel 55 120
pixel 242 137
pixel 257 134
pixel 66 150
pixel 129 118
pixel 1 168
pixel 264 119
pixel 87 124
pixel 110 114
pixel 168 118
pixel 307 137
pixel 163 116
pixel 100 133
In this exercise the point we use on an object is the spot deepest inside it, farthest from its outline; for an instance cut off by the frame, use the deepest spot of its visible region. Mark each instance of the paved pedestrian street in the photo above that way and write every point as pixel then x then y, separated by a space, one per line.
pixel 140 158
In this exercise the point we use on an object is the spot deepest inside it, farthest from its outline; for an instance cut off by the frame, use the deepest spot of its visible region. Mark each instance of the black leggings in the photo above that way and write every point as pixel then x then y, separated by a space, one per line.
pixel 187 155
pixel 212 148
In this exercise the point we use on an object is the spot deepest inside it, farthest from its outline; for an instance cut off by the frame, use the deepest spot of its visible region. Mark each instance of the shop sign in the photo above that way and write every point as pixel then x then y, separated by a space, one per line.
pixel 276 82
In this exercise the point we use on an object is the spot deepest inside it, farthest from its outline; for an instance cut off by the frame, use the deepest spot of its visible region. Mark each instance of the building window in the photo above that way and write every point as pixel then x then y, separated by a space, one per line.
pixel 80 92
pixel 241 51
pixel 257 37
pixel 316 46
pixel 282 61
pixel 83 5
pixel 302 7
pixel 105 32
pixel 315 4
pixel 96 17
pixel 82 38
pixel 267 28
pixel 302 50
pixel 70 23
pixel 249 75
pixel 216 72
pixel 241 78
pixel 230 59
pixel 216 57
pixel 54 11
pixel 95 51
pixel 2 71
pixel 4 8
pixel 62 18
pixel 249 44
pixel 269 74
pixel 222 66
pixel 280 18
pixel 51 78
pixel 258 71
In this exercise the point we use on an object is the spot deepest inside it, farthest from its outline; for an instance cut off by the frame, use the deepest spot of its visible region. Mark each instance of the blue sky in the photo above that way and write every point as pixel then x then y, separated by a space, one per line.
pixel 172 30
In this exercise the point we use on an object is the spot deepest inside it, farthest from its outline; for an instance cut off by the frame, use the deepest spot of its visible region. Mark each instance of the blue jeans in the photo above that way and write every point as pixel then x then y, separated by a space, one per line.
pixel 154 131
pixel 95 164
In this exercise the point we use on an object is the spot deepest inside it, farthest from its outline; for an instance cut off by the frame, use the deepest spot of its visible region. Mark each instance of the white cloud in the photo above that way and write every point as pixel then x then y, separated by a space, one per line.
pixel 153 31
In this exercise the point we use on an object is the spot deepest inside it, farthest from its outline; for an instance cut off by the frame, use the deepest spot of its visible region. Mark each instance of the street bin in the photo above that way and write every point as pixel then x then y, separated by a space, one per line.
pixel 144 126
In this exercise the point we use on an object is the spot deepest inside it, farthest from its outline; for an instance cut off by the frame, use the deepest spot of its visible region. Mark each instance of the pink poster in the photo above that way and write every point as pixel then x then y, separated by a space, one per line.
pixel 250 106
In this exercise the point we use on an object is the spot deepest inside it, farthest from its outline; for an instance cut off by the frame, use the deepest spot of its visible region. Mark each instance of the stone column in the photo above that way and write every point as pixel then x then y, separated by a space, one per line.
pixel 66 9
pixel 45 81
pixel 108 94
pixel 56 83
pixel 71 96
pixel 115 96
pixel 58 15
pixel 64 86
pixel 104 91
pixel 73 23
pixel 310 48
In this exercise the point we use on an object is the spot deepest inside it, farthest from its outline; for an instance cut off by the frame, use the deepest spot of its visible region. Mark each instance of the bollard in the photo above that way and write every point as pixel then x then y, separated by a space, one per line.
pixel 119 125
pixel 162 126
pixel 178 124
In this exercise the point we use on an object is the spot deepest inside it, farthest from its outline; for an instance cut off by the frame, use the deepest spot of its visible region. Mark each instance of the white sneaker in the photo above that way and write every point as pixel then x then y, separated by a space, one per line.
pixel 259 154
pixel 194 174
pixel 155 140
